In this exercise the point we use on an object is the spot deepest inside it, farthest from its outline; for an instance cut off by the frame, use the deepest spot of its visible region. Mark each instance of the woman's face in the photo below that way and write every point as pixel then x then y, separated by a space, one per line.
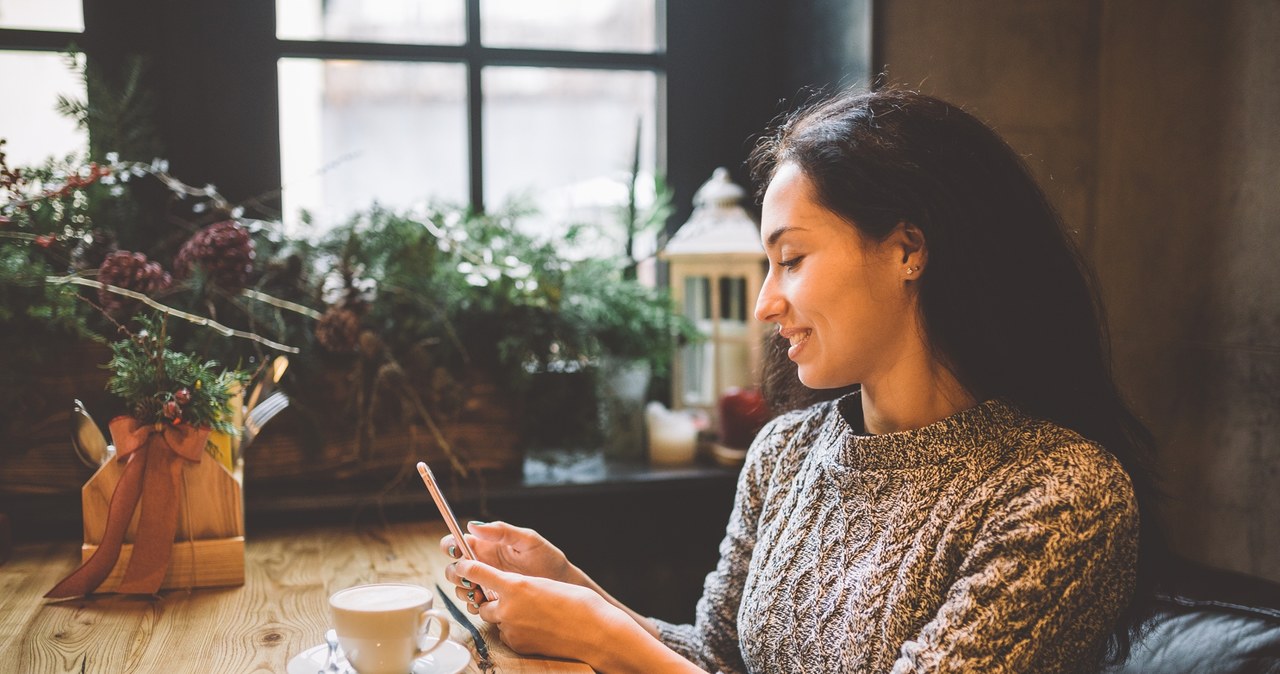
pixel 843 302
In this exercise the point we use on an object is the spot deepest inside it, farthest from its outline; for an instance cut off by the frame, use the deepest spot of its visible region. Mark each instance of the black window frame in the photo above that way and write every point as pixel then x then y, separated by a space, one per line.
pixel 474 56
pixel 728 68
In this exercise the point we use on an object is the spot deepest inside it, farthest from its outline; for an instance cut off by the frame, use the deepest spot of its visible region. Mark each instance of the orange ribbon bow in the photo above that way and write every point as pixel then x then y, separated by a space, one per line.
pixel 154 454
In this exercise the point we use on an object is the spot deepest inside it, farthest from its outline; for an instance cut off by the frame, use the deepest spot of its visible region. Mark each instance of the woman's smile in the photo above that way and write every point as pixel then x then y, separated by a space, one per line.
pixel 797 337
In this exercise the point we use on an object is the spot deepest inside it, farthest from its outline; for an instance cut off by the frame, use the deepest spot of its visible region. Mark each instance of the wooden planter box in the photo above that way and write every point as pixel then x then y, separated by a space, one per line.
pixel 36 456
pixel 208 549
pixel 293 452
pixel 484 434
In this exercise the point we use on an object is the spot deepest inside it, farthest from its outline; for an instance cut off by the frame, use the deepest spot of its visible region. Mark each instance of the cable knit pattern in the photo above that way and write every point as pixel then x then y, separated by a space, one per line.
pixel 985 542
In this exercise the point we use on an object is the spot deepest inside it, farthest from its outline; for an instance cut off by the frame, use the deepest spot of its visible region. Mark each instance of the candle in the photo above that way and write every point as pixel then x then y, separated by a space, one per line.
pixel 673 437
pixel 743 413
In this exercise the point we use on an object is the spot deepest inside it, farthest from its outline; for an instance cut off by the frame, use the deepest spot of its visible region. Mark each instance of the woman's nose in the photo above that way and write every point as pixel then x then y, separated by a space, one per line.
pixel 769 304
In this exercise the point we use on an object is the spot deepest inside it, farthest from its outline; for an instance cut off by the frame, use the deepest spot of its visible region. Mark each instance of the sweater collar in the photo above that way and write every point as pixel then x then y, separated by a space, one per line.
pixel 974 435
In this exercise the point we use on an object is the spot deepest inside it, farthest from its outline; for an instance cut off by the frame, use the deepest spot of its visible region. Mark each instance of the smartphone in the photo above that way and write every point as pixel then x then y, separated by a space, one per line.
pixel 429 479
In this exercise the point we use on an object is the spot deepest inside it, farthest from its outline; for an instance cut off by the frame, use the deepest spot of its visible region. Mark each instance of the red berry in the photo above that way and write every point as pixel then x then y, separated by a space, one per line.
pixel 172 410
pixel 44 240
pixel 182 395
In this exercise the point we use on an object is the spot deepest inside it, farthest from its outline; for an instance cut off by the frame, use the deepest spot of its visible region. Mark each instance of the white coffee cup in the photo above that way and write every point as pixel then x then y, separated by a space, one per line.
pixel 382 626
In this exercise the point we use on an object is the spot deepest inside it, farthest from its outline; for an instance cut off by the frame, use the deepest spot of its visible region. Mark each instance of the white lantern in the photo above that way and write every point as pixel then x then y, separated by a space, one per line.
pixel 717 268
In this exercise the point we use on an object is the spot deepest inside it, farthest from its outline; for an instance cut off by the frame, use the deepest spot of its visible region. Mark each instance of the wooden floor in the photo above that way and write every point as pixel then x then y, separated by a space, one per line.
pixel 280 611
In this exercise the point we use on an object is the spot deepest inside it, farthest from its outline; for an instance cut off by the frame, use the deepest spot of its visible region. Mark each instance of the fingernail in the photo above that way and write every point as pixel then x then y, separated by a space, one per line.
pixel 466 583
pixel 453 551
pixel 476 522
pixel 472 596
pixel 475 606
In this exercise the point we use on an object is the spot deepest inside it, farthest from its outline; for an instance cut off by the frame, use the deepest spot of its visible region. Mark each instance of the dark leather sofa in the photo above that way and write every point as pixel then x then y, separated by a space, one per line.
pixel 1210 621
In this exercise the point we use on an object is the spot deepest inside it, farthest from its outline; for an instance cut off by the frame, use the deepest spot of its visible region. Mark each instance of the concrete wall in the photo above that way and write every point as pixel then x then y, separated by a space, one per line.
pixel 1154 127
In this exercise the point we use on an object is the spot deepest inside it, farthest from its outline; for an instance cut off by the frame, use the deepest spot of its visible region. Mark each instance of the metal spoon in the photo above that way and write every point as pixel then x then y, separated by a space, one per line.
pixel 331 662
pixel 89 442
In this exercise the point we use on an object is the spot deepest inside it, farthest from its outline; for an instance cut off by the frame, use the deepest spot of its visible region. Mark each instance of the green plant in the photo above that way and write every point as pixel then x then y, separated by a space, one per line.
pixel 163 386
pixel 622 317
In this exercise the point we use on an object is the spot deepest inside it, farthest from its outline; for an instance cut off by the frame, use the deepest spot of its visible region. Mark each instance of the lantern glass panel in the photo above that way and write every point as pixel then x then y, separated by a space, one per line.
pixel 697 359
pixel 697 300
pixel 733 299
pixel 733 349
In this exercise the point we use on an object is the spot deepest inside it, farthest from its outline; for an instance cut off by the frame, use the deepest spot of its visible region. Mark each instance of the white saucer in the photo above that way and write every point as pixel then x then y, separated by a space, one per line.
pixel 449 658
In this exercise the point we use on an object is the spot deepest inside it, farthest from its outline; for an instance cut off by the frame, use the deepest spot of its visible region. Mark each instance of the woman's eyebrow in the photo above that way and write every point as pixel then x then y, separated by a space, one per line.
pixel 777 234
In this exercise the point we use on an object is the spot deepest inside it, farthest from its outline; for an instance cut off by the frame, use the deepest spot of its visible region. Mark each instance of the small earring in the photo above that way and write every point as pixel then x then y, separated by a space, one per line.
pixel 912 270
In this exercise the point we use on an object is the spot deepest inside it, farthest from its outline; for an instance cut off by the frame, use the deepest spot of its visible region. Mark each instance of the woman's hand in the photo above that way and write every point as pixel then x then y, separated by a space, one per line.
pixel 510 548
pixel 547 617
pixel 522 551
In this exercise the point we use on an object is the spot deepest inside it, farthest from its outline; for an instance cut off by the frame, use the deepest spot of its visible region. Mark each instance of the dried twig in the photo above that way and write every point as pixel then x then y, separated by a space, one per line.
pixel 198 320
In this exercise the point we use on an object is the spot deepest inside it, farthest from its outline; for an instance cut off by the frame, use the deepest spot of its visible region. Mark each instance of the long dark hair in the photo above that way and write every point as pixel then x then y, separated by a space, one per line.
pixel 1008 304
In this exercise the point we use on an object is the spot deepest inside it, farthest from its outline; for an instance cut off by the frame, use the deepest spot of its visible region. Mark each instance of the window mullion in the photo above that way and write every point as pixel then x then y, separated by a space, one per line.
pixel 475 106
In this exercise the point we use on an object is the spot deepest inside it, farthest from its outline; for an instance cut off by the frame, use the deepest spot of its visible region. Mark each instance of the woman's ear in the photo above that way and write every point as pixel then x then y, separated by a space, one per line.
pixel 907 241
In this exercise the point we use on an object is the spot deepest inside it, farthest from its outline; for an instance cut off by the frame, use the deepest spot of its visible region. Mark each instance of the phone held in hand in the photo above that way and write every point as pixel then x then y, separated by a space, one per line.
pixel 429 479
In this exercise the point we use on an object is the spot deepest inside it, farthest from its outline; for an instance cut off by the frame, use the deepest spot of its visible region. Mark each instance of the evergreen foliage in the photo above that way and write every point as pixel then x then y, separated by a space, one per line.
pixel 117 114
pixel 160 385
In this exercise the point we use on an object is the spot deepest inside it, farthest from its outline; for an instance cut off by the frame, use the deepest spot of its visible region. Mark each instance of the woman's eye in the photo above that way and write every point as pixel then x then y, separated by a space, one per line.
pixel 790 263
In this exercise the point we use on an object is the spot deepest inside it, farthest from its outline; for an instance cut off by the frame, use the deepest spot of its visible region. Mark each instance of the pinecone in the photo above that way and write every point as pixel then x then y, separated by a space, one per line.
pixel 338 329
pixel 223 250
pixel 131 271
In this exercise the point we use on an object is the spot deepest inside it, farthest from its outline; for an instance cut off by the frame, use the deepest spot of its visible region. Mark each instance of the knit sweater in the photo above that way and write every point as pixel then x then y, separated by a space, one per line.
pixel 985 542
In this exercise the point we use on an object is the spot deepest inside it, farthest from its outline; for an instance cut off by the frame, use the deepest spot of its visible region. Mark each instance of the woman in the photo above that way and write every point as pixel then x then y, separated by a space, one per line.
pixel 972 506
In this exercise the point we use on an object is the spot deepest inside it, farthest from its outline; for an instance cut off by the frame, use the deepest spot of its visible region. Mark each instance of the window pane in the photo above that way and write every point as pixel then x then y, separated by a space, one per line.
pixel 352 132
pixel 563 140
pixel 42 14
pixel 35 130
pixel 396 21
pixel 586 25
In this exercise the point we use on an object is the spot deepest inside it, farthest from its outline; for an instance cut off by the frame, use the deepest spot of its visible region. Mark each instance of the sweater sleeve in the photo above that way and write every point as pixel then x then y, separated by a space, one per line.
pixel 1048 573
pixel 712 641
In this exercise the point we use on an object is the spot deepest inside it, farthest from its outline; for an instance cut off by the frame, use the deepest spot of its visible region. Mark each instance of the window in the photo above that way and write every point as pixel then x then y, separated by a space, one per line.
pixel 31 35
pixel 488 102
pixel 46 15
pixel 227 108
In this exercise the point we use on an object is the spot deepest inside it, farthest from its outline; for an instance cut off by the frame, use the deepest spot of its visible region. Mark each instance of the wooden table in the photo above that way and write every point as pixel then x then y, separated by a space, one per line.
pixel 281 610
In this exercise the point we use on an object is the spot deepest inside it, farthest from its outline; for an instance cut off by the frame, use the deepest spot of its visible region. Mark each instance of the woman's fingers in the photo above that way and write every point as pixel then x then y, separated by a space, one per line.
pixel 487 546
pixel 479 573
pixel 488 612
pixel 501 533
pixel 473 596
pixel 449 545
pixel 487 581
pixel 484 550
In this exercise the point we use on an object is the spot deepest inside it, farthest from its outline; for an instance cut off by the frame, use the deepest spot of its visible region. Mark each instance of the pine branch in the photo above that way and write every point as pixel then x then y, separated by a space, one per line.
pixel 163 386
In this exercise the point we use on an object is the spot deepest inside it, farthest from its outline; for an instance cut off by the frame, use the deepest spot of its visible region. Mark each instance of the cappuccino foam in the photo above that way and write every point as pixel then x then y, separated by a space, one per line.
pixel 381 598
